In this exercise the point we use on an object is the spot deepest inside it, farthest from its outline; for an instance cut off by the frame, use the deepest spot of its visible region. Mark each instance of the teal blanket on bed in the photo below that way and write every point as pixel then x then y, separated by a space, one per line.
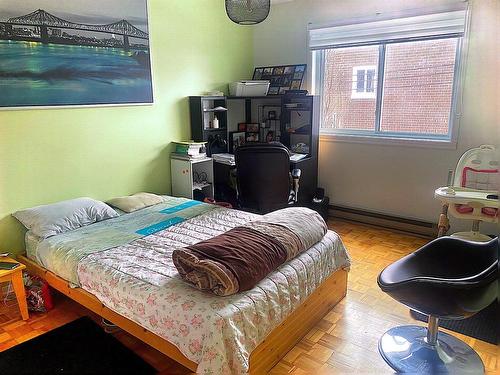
pixel 62 253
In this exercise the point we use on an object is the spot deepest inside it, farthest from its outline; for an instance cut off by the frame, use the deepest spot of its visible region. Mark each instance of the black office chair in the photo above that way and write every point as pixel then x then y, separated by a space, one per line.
pixel 447 278
pixel 263 178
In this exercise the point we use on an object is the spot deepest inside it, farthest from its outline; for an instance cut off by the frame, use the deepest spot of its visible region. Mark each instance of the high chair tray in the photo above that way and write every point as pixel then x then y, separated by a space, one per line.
pixel 459 195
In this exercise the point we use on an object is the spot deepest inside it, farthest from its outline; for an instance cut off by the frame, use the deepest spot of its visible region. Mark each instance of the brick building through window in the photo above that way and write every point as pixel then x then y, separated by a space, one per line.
pixel 416 92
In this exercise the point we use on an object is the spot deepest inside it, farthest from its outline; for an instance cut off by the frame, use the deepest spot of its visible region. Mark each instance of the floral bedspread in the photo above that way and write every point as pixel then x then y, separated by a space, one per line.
pixel 140 282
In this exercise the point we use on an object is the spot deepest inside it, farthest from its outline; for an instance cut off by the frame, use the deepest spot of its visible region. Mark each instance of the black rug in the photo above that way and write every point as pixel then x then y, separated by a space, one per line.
pixel 482 326
pixel 80 347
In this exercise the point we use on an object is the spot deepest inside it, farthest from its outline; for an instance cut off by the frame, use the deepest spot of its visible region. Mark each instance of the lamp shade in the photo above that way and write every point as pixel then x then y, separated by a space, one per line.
pixel 248 12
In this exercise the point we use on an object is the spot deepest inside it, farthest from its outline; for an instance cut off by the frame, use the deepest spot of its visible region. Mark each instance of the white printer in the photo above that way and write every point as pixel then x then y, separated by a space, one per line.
pixel 249 88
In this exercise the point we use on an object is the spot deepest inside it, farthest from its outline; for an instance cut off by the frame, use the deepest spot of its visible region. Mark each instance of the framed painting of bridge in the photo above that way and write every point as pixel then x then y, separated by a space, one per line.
pixel 74 53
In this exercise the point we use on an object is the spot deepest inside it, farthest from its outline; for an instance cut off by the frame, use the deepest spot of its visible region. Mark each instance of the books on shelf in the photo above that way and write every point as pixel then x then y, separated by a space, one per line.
pixel 177 155
pixel 193 149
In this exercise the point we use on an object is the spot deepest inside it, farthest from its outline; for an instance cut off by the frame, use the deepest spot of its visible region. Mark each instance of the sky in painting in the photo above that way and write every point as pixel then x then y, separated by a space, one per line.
pixel 81 11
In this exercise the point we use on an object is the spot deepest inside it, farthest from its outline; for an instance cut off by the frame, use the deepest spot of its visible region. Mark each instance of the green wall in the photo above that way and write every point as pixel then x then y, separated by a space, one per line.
pixel 56 154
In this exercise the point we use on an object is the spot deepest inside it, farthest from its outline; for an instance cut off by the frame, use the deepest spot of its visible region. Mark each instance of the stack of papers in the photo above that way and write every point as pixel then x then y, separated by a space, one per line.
pixel 224 158
pixel 297 157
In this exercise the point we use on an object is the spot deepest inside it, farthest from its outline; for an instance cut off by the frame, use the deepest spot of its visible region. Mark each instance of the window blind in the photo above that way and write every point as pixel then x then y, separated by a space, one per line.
pixel 449 23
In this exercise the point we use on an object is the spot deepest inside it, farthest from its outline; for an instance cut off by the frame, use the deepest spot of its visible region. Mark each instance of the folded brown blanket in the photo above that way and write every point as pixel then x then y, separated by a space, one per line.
pixel 237 260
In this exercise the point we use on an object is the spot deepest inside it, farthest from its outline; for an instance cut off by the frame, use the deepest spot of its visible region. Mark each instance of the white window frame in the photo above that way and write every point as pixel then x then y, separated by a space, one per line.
pixel 316 76
pixel 363 94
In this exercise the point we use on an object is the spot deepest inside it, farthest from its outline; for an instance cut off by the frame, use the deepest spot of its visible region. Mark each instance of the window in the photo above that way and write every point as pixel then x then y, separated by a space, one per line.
pixel 363 82
pixel 399 85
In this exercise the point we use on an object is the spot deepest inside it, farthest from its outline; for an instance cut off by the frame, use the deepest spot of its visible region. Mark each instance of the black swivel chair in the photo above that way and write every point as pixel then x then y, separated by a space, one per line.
pixel 447 278
pixel 263 177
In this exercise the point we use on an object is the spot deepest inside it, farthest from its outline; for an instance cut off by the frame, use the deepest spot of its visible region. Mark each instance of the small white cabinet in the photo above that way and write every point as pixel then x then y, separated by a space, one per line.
pixel 190 175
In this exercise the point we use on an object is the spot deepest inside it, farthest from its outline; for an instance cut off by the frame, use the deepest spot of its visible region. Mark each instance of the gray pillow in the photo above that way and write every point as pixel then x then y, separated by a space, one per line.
pixel 136 202
pixel 51 219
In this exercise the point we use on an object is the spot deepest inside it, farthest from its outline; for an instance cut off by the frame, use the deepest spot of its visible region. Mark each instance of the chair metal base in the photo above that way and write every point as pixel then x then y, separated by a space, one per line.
pixel 406 350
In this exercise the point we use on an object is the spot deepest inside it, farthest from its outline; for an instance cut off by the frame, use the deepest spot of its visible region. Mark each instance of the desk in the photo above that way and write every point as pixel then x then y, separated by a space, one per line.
pixel 296 123
pixel 15 276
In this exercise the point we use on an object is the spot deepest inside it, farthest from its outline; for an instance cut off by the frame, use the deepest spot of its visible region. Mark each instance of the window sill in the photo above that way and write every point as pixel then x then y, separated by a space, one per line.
pixel 394 141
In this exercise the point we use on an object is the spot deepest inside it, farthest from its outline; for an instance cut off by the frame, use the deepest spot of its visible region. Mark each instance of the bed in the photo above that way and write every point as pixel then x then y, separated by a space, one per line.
pixel 122 269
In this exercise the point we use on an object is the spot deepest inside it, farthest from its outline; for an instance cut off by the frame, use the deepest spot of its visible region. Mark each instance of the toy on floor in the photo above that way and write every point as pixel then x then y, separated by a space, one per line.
pixel 473 195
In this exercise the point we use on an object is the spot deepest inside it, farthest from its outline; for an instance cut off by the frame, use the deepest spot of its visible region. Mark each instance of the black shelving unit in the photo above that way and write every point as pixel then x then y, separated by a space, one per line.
pixel 202 111
pixel 300 133
pixel 299 129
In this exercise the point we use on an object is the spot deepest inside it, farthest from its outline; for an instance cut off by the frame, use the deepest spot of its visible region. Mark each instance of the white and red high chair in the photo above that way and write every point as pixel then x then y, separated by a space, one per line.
pixel 473 195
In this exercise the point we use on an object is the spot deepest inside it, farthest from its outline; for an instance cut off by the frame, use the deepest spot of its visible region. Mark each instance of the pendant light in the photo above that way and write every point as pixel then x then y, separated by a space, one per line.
pixel 248 12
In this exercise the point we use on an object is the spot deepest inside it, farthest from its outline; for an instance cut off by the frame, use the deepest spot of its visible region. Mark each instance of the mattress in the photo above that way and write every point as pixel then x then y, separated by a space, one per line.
pixel 138 280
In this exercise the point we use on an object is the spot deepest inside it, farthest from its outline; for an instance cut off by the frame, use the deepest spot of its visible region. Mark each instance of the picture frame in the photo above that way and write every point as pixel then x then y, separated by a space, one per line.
pixel 281 77
pixel 120 74
pixel 252 137
pixel 242 127
pixel 270 136
pixel 279 70
pixel 236 139
pixel 252 128
pixel 298 76
pixel 273 90
pixel 295 85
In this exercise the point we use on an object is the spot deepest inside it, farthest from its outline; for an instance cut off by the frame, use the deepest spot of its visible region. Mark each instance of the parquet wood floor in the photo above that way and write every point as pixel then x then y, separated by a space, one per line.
pixel 345 341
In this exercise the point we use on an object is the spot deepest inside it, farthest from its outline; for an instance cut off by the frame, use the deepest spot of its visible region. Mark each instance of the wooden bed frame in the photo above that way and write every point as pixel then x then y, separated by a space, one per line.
pixel 263 357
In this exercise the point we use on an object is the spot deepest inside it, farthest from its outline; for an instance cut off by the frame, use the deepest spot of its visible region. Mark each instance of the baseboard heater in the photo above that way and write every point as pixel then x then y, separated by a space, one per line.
pixel 422 228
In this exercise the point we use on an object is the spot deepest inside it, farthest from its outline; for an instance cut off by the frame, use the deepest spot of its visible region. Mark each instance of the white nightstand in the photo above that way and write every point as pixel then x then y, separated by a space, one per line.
pixel 190 175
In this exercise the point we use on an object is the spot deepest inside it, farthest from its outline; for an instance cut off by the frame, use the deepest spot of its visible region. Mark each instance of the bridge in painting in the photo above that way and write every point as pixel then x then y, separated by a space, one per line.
pixel 44 20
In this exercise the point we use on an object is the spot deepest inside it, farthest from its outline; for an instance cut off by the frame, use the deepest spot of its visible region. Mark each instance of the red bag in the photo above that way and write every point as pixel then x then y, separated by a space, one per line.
pixel 37 294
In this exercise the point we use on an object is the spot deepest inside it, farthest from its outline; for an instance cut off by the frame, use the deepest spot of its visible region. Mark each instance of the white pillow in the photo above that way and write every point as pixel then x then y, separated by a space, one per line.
pixel 51 219
pixel 135 202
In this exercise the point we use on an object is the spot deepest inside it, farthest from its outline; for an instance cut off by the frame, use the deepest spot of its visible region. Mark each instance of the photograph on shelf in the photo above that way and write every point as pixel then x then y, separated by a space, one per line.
pixel 242 127
pixel 252 128
pixel 237 139
pixel 279 70
pixel 295 85
pixel 273 90
pixel 275 81
pixel 298 75
pixel 252 137
pixel 270 136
